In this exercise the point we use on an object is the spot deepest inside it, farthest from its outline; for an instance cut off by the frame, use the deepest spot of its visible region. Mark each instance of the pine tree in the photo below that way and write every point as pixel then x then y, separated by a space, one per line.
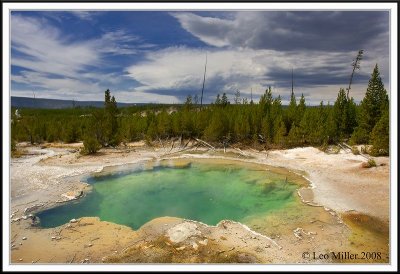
pixel 196 99
pixel 111 122
pixel 266 101
pixel 224 100
pixel 301 108
pixel 375 102
pixel 380 136
pixel 237 97
pixel 344 114
pixel 216 128
pixel 218 100
pixel 291 112
pixel 188 103
pixel 279 131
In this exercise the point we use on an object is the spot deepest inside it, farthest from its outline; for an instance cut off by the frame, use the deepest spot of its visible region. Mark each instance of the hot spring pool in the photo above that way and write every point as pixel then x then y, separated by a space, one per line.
pixel 207 191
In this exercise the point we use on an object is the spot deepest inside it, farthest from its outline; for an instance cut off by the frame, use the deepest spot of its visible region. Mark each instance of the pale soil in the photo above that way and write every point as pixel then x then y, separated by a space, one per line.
pixel 51 174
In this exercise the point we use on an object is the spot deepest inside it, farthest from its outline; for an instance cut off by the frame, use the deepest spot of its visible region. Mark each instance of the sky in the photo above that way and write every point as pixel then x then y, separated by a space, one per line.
pixel 159 56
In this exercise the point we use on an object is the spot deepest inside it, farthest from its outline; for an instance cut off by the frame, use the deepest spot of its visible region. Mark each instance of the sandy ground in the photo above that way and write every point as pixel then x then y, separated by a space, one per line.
pixel 50 175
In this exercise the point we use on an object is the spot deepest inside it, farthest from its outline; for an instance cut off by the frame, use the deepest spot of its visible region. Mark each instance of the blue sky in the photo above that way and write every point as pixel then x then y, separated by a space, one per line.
pixel 159 56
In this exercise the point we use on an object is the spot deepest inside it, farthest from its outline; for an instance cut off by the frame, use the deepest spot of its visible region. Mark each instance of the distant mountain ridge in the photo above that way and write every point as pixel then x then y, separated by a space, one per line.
pixel 29 102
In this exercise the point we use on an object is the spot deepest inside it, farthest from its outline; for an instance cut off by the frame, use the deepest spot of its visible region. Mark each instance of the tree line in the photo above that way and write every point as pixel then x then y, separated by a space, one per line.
pixel 268 123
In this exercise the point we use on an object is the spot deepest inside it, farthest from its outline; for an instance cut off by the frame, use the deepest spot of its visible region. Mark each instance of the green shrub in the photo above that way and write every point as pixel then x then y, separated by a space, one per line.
pixel 13 145
pixel 371 162
pixel 91 145
pixel 355 151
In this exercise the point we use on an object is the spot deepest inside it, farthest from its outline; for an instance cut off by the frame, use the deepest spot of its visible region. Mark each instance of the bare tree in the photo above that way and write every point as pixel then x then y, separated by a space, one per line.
pixel 204 80
pixel 356 65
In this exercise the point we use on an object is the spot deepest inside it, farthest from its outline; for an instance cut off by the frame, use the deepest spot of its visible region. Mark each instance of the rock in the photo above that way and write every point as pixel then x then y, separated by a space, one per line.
pixel 259 249
pixel 53 238
pixel 24 217
pixel 246 258
pixel 204 242
pixel 183 231
pixel 24 238
pixel 20 259
pixel 20 243
pixel 32 208
pixel 180 248
pixel 73 221
pixel 195 246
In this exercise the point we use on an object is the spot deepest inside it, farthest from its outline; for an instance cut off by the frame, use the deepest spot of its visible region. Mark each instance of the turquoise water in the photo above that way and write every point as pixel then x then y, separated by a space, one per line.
pixel 199 191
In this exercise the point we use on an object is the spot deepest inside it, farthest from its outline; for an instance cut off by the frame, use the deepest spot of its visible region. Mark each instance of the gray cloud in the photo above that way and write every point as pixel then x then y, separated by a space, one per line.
pixel 290 30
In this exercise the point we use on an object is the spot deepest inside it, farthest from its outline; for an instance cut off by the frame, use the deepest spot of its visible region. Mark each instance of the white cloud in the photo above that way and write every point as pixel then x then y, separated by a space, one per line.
pixel 84 15
pixel 210 30
pixel 58 67
pixel 45 50
pixel 118 42
pixel 135 96
pixel 179 70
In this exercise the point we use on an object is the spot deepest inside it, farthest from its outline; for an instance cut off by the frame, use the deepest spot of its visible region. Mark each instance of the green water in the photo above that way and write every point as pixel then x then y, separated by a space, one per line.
pixel 199 191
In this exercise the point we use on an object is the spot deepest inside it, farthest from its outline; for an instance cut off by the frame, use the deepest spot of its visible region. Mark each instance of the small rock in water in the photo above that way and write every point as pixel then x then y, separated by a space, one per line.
pixel 73 221
pixel 20 259
pixel 20 243
pixel 53 238
pixel 24 238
